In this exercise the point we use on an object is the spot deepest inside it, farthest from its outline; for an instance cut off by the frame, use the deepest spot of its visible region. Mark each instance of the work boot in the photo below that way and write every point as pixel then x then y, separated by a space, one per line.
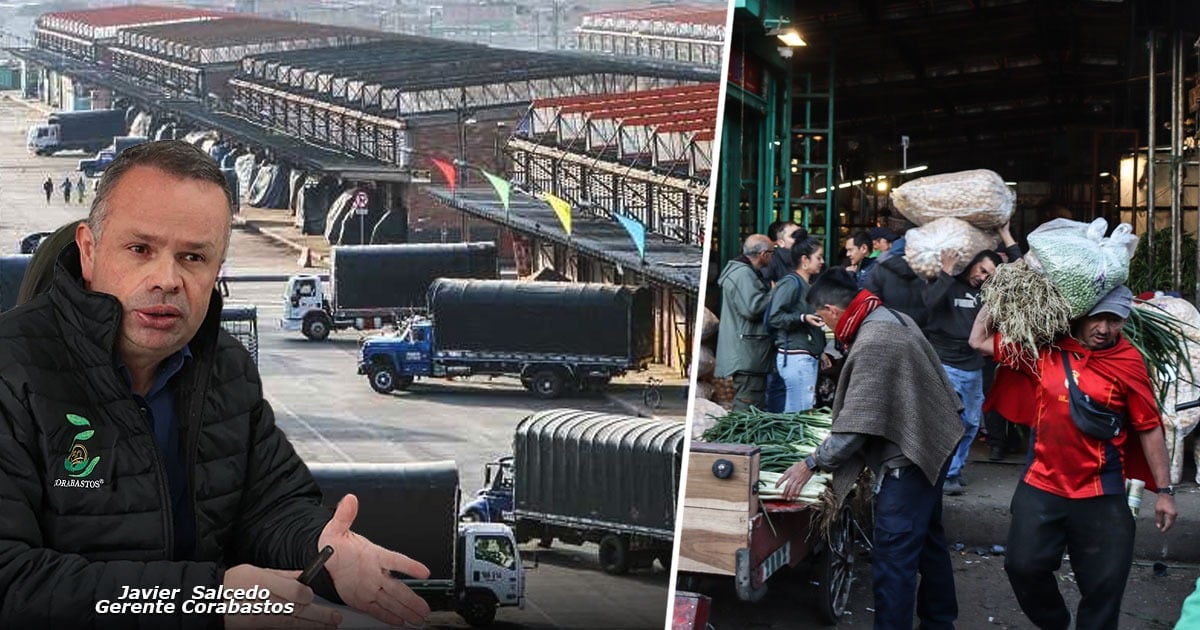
pixel 996 453
pixel 953 487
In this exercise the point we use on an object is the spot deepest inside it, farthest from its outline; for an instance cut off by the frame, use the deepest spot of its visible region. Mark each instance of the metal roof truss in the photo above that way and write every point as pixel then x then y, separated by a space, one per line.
pixel 318 121
pixel 669 206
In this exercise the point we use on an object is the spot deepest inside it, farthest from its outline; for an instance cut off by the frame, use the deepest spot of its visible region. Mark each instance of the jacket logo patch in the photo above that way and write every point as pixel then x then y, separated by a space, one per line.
pixel 77 463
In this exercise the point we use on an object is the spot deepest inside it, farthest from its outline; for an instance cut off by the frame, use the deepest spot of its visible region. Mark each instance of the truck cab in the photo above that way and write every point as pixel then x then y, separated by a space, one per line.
pixel 394 361
pixel 305 307
pixel 494 502
pixel 40 137
pixel 491 572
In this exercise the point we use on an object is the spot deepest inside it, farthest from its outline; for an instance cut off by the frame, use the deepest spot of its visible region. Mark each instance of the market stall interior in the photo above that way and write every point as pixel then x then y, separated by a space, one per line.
pixel 833 104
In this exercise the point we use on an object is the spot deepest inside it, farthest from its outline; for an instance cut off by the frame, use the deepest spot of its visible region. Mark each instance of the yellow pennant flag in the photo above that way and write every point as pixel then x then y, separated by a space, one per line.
pixel 562 208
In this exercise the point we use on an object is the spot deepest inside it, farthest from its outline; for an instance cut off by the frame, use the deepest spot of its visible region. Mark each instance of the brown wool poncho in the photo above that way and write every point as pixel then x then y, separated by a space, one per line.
pixel 893 386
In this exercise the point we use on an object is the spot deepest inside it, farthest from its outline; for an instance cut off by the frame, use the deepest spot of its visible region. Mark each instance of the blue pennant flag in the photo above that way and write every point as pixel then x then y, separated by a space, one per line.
pixel 637 232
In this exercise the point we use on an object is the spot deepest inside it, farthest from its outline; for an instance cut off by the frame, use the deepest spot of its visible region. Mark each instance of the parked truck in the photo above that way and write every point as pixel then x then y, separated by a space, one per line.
pixel 581 476
pixel 373 286
pixel 96 164
pixel 474 568
pixel 84 130
pixel 554 336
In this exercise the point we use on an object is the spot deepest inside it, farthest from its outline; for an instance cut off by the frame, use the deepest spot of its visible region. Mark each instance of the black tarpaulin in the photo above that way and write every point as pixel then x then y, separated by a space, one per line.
pixel 398 276
pixel 408 508
pixel 615 469
pixel 572 318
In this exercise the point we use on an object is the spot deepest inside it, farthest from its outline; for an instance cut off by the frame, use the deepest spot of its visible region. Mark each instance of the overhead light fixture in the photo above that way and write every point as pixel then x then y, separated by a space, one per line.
pixel 914 169
pixel 788 35
pixel 881 185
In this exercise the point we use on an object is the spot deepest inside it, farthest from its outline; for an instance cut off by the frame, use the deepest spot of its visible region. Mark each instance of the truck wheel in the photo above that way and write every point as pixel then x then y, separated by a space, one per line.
pixel 614 554
pixel 478 608
pixel 548 384
pixel 383 380
pixel 316 326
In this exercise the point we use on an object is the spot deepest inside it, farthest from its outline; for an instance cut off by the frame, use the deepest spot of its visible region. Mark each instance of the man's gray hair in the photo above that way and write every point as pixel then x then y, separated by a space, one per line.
pixel 174 157
pixel 755 246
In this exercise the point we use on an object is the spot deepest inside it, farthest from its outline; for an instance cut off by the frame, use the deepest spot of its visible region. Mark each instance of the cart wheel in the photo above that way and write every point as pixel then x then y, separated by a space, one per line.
pixel 837 569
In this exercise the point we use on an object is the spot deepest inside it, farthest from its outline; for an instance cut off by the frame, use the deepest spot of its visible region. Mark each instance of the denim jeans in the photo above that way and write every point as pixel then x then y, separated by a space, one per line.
pixel 799 374
pixel 910 564
pixel 969 385
pixel 773 398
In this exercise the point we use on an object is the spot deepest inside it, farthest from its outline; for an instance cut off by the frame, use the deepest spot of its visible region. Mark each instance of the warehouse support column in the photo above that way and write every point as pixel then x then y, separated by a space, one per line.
pixel 394 203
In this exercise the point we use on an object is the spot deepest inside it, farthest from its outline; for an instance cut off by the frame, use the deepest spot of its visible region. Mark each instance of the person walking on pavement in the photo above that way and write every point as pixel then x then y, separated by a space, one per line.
pixel 900 417
pixel 952 302
pixel 743 346
pixel 1071 496
pixel 66 189
pixel 48 188
pixel 796 329
pixel 223 279
pixel 81 188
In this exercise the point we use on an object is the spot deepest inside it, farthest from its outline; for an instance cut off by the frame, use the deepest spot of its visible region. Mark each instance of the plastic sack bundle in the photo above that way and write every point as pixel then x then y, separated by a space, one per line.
pixel 1083 265
pixel 924 245
pixel 979 197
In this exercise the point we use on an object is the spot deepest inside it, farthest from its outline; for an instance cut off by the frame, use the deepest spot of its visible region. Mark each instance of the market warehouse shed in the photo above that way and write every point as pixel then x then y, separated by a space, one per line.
pixel 1051 95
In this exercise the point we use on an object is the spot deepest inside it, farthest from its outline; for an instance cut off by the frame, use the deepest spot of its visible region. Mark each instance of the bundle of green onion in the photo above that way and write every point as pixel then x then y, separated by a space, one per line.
pixel 783 439
pixel 1161 339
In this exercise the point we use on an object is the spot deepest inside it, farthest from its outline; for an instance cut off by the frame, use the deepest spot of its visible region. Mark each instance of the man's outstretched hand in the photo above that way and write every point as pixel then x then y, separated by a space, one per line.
pixel 361 571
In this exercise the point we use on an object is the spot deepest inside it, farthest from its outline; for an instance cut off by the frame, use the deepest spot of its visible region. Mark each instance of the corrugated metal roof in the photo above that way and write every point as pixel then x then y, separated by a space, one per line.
pixel 596 100
pixel 245 30
pixel 682 14
pixel 132 14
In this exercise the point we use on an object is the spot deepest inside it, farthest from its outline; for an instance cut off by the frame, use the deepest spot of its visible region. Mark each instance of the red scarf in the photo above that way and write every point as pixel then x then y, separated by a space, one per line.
pixel 861 306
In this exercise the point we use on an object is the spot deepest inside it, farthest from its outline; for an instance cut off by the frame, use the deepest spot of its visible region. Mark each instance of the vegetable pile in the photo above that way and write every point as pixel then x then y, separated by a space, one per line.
pixel 783 439
pixel 1027 309
pixel 1161 338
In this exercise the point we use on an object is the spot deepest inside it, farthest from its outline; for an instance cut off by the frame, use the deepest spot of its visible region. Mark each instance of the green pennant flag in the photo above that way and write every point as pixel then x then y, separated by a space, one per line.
pixel 503 188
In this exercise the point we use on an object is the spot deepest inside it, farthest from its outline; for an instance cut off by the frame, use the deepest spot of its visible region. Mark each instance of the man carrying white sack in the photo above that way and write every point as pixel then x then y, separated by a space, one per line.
pixel 1072 494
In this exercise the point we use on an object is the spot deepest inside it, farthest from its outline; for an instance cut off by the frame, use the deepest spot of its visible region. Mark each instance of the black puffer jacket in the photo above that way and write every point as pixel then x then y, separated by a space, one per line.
pixel 84 510
pixel 899 287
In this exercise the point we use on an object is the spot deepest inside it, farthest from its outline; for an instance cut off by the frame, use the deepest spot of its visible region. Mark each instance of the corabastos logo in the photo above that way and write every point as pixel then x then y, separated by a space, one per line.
pixel 77 463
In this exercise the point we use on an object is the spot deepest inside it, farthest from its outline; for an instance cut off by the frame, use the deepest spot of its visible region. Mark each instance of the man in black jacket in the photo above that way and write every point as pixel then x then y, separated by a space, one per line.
pixel 952 303
pixel 140 467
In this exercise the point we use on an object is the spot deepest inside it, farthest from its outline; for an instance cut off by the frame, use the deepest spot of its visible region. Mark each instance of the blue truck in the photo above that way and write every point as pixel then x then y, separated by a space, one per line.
pixel 587 477
pixel 554 336
pixel 95 165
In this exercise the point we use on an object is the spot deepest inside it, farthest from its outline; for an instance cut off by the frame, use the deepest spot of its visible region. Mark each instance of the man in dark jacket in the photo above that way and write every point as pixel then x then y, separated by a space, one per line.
pixel 894 281
pixel 952 303
pixel 785 234
pixel 139 463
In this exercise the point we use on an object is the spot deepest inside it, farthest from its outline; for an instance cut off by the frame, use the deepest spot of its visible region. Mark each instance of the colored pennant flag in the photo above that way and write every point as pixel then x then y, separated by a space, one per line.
pixel 637 232
pixel 503 188
pixel 562 208
pixel 448 170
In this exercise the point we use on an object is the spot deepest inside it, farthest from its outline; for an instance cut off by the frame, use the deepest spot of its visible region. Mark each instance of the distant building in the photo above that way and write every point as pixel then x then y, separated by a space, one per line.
pixel 682 34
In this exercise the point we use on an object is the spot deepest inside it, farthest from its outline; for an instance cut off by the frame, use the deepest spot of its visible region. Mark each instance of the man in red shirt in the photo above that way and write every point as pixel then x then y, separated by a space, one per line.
pixel 1072 493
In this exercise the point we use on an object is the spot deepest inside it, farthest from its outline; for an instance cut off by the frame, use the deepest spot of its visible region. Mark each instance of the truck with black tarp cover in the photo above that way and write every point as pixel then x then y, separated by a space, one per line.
pixel 553 336
pixel 373 286
pixel 582 476
pixel 88 130
pixel 474 568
